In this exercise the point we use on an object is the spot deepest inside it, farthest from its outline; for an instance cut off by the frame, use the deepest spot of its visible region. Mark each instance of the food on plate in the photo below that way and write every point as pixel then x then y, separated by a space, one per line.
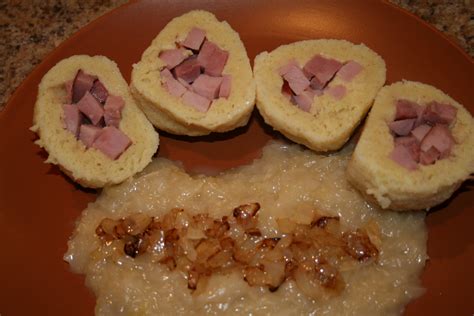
pixel 195 78
pixel 89 123
pixel 416 149
pixel 202 247
pixel 316 92
pixel 284 235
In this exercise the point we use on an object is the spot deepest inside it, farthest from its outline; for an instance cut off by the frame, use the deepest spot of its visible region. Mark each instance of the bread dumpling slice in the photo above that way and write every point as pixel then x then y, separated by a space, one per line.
pixel 316 92
pixel 89 124
pixel 416 149
pixel 195 78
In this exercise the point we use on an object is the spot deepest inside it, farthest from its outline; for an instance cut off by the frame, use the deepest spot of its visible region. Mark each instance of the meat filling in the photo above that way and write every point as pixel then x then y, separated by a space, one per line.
pixel 422 133
pixel 302 85
pixel 200 246
pixel 93 115
pixel 193 71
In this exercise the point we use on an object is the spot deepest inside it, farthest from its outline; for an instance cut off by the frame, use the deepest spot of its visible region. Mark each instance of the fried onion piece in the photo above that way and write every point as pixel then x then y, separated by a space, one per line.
pixel 359 246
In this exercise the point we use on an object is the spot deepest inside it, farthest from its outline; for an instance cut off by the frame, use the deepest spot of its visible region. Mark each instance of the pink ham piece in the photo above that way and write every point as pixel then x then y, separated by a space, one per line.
pixel 113 110
pixel 420 132
pixel 402 127
pixel 173 57
pixel 406 109
pixel 207 86
pixel 286 90
pixel 323 70
pixel 224 91
pixel 284 69
pixel 349 71
pixel 173 86
pixel 112 142
pixel 194 38
pixel 403 157
pixel 198 102
pixel 72 118
pixel 68 87
pixel 305 99
pixel 184 83
pixel 88 134
pixel 316 84
pixel 310 76
pixel 91 108
pixel 212 58
pixel 99 91
pixel 188 70
pixel 440 138
pixel 82 83
pixel 296 79
pixel 411 144
pixel 439 113
pixel 446 112
pixel 429 157
pixel 337 92
pixel 166 74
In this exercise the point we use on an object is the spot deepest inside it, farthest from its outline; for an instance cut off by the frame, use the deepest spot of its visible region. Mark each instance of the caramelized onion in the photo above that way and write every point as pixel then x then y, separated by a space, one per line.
pixel 359 246
pixel 200 246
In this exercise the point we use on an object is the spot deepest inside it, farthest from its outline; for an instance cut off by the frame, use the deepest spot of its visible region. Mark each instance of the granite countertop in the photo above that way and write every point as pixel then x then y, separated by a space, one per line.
pixel 32 28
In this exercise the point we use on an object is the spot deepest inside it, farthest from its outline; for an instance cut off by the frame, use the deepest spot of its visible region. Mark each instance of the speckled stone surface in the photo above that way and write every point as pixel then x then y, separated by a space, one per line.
pixel 30 29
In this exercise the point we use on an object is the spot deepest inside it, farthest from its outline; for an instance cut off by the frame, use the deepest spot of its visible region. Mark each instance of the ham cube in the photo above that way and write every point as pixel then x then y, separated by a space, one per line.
pixel 112 142
pixel 305 99
pixel 286 90
pixel 411 144
pixel 403 157
pixel 439 113
pixel 296 79
pixel 166 74
pixel 174 57
pixel 317 84
pixel 188 70
pixel 194 38
pixel 68 87
pixel 72 118
pixel 184 83
pixel 113 110
pixel 406 109
pixel 207 86
pixel 310 76
pixel 446 112
pixel 212 58
pixel 224 91
pixel 284 69
pixel 173 86
pixel 91 108
pixel 420 132
pixel 322 68
pixel 82 83
pixel 198 102
pixel 337 92
pixel 429 157
pixel 440 138
pixel 349 71
pixel 99 91
pixel 402 127
pixel 88 134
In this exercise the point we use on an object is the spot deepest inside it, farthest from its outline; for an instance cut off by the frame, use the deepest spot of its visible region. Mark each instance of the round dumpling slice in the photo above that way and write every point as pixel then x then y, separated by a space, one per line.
pixel 89 124
pixel 416 149
pixel 316 92
pixel 195 78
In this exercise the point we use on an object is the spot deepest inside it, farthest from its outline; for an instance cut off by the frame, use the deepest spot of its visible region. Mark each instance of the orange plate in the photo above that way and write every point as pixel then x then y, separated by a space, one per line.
pixel 39 204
